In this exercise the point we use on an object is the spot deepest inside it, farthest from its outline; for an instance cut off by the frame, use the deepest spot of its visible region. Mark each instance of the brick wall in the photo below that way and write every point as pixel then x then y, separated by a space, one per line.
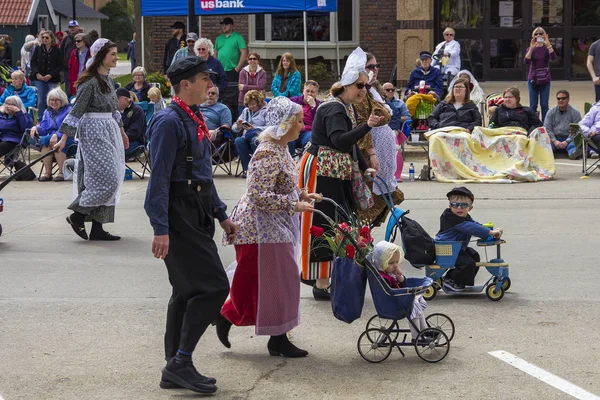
pixel 158 31
pixel 378 33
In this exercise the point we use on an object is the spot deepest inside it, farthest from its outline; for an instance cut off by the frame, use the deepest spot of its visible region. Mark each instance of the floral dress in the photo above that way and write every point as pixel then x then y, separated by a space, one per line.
pixel 265 291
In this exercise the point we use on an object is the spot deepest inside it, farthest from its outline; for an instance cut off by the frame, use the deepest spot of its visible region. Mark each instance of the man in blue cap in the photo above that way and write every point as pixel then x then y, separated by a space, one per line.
pixel 425 72
pixel 66 47
pixel 182 203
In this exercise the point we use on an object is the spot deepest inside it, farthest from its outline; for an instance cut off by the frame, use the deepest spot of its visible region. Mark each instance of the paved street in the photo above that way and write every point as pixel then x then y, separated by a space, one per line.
pixel 84 320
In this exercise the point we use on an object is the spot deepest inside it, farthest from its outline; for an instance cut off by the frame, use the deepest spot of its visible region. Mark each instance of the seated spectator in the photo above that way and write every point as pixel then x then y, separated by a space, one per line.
pixel 557 124
pixel 425 72
pixel 309 104
pixel 476 93
pixel 216 115
pixel 456 110
pixel 47 130
pixel 399 111
pixel 186 51
pixel 139 86
pixel 79 56
pixel 14 120
pixel 250 123
pixel 155 97
pixel 590 126
pixel 134 121
pixel 512 113
pixel 252 77
pixel 19 87
pixel 447 55
pixel 204 48
pixel 287 80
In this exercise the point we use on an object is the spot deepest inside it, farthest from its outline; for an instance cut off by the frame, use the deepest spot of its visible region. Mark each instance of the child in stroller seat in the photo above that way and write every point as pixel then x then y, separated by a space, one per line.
pixel 386 257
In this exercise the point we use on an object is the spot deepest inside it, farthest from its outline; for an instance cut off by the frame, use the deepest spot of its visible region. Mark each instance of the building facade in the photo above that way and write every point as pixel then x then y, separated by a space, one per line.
pixel 494 34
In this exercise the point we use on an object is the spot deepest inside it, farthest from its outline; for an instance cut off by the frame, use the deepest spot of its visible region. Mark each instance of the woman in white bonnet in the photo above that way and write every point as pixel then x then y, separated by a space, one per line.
pixel 265 291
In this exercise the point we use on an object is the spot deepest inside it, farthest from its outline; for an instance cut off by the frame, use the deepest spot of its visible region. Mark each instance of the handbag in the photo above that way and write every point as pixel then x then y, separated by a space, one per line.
pixel 348 286
pixel 363 197
pixel 541 76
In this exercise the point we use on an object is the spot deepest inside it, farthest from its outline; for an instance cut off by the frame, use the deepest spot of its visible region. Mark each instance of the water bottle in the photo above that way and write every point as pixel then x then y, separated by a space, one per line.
pixel 411 172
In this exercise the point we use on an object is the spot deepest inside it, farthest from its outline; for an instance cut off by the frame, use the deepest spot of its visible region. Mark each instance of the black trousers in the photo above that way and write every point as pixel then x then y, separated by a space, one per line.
pixel 6 147
pixel 465 270
pixel 199 282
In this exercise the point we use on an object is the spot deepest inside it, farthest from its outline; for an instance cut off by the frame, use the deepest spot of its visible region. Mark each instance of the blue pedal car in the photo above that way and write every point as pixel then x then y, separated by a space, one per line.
pixel 446 254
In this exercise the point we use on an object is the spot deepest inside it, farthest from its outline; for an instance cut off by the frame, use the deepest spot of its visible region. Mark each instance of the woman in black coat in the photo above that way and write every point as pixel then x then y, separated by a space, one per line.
pixel 512 113
pixel 456 110
pixel 46 66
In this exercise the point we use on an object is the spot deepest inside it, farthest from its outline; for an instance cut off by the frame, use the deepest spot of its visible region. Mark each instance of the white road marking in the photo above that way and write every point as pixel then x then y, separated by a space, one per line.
pixel 569 164
pixel 544 376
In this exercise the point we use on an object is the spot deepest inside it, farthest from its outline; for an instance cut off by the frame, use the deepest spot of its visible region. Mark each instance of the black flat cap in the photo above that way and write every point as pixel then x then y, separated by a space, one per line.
pixel 424 54
pixel 122 92
pixel 186 68
pixel 461 191
pixel 178 25
pixel 226 21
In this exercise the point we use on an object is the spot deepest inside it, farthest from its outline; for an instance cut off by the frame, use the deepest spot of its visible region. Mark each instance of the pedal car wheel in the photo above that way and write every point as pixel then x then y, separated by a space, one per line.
pixel 441 322
pixel 493 294
pixel 430 293
pixel 374 345
pixel 438 284
pixel 505 284
pixel 432 345
pixel 384 324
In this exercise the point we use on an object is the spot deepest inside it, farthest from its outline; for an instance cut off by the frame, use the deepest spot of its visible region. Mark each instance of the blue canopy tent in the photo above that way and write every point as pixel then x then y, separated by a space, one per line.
pixel 229 7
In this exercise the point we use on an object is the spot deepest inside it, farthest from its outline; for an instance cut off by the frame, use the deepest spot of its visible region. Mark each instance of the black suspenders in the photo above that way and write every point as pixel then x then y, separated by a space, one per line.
pixel 189 158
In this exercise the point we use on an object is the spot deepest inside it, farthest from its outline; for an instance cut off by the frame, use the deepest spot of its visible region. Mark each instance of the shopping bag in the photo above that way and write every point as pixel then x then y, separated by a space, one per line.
pixel 348 285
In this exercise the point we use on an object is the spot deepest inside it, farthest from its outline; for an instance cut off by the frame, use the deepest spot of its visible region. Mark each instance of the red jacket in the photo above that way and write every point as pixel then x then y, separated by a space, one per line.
pixel 74 68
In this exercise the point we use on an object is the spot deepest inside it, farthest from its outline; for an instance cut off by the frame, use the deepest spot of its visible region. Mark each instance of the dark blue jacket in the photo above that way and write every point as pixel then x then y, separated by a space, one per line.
pixel 12 128
pixel 168 138
pixel 433 77
pixel 51 121
pixel 399 110
pixel 220 79
pixel 131 51
pixel 134 123
pixel 458 229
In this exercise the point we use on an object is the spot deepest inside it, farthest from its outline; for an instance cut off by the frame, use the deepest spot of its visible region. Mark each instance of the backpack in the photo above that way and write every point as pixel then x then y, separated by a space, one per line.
pixel 419 247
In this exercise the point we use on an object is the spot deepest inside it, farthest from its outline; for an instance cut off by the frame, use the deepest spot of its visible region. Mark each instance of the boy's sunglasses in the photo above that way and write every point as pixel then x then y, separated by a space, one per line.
pixel 455 204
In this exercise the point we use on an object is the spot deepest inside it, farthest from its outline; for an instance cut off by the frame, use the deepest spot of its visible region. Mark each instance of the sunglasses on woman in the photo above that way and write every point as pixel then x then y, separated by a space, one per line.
pixel 361 86
pixel 373 66
pixel 78 41
pixel 252 59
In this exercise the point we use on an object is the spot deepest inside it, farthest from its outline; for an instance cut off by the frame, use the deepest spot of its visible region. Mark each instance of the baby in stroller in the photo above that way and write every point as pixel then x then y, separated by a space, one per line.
pixel 386 257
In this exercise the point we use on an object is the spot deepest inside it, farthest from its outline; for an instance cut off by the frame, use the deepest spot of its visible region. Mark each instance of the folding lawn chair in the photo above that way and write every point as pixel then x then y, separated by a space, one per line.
pixel 224 152
pixel 585 144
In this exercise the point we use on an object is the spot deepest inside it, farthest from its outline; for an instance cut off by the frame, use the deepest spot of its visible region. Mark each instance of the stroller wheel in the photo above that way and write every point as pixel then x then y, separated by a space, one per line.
pixel 384 324
pixel 429 293
pixel 505 284
pixel 432 345
pixel 374 345
pixel 441 322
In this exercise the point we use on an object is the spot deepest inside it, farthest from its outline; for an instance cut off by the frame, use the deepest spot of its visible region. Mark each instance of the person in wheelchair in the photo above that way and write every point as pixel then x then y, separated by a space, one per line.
pixel 47 131
pixel 251 122
pixel 14 120
pixel 386 257
pixel 456 225
pixel 134 121
pixel 425 72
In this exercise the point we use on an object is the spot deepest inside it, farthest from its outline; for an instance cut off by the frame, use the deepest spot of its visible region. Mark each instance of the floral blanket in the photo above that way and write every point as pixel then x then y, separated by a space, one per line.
pixel 501 155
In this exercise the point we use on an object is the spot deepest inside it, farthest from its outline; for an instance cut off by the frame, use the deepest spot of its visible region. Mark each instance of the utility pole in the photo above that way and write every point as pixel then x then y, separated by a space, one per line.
pixel 192 20
pixel 74 12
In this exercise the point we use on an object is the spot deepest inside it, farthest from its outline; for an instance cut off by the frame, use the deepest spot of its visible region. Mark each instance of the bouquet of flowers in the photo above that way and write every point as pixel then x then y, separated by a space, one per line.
pixel 338 239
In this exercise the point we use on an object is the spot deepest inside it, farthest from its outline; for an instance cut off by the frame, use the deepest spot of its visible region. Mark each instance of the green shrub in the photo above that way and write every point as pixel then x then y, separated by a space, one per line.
pixel 157 77
pixel 317 72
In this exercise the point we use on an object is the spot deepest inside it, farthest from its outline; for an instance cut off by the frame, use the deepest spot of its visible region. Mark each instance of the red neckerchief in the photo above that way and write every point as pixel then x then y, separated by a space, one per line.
pixel 197 118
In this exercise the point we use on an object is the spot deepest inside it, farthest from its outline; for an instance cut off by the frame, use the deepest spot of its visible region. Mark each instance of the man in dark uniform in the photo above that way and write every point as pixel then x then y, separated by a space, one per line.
pixel 134 121
pixel 181 202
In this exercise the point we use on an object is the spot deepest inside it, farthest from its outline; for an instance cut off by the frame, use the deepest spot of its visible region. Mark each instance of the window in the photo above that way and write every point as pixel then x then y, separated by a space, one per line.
pixel 461 14
pixel 43 22
pixel 548 13
pixel 585 13
pixel 289 27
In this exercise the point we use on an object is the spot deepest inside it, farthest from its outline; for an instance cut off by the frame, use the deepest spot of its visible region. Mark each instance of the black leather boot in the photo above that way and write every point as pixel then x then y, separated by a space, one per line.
pixel 98 233
pixel 281 346
pixel 223 327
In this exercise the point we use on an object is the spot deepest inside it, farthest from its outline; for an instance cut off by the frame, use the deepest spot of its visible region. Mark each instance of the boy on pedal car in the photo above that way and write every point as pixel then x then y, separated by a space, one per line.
pixel 456 225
